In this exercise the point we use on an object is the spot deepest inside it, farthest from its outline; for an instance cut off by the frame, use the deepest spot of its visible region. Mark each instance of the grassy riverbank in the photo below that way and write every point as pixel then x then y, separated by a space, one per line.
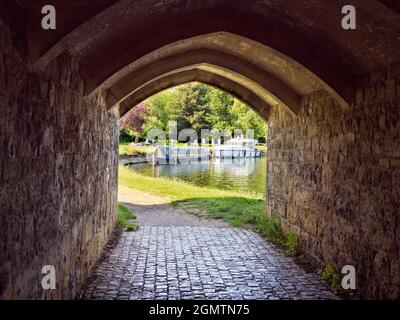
pixel 126 149
pixel 238 208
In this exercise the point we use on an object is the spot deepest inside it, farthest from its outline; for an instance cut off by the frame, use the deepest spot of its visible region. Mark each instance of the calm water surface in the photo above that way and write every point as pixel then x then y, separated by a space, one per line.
pixel 247 174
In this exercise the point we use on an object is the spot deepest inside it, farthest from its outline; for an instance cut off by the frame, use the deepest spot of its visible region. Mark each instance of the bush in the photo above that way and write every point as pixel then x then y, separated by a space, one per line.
pixel 126 135
pixel 262 140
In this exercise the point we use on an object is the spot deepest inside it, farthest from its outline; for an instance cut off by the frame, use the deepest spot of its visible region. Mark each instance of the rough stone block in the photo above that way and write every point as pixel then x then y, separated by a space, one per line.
pixel 343 200
pixel 47 183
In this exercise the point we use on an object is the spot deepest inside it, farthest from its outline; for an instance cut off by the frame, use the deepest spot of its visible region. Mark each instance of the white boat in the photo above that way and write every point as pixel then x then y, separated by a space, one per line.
pixel 237 148
pixel 234 149
pixel 178 154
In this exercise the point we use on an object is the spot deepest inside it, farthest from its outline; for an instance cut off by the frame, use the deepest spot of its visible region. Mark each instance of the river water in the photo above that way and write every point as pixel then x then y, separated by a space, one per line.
pixel 245 174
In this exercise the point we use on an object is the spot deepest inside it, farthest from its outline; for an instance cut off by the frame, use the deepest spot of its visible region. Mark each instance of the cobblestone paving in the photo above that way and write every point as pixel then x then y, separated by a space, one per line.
pixel 200 262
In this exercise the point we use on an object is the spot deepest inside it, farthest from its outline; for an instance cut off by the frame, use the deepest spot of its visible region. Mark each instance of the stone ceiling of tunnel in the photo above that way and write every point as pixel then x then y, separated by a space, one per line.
pixel 107 36
pixel 257 79
pixel 292 73
pixel 315 20
pixel 238 81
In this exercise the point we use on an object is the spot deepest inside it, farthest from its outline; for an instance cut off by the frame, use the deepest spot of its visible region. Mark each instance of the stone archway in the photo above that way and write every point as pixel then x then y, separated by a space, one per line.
pixel 183 77
pixel 334 163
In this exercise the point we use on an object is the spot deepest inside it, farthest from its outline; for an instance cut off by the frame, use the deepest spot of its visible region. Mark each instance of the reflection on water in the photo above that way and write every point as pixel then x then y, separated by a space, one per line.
pixel 244 174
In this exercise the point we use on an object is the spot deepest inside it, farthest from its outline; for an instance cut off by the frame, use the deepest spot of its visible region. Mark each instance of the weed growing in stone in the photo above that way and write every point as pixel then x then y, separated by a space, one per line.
pixel 291 243
pixel 331 276
pixel 125 218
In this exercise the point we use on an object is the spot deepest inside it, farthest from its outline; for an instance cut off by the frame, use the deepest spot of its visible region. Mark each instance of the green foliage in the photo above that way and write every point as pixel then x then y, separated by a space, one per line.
pixel 220 104
pixel 330 275
pixel 291 243
pixel 125 217
pixel 191 107
pixel 199 106
pixel 126 135
pixel 158 107
pixel 245 118
pixel 269 227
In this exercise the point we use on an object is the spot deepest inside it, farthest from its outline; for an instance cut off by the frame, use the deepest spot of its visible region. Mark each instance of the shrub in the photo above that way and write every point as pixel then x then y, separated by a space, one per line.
pixel 126 135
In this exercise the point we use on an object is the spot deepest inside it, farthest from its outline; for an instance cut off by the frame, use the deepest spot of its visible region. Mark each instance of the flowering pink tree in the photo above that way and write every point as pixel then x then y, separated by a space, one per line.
pixel 135 118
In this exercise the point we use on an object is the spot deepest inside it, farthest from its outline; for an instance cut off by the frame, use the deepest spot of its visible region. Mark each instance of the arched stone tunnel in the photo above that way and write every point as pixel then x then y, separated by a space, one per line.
pixel 330 96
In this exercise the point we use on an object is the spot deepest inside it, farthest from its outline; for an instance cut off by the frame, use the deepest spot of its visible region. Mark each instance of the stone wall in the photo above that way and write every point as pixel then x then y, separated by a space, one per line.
pixel 334 178
pixel 58 174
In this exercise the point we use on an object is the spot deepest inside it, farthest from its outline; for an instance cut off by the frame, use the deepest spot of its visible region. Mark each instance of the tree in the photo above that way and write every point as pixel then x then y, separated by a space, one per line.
pixel 246 118
pixel 197 106
pixel 135 118
pixel 190 107
pixel 158 106
pixel 132 122
pixel 158 111
pixel 220 115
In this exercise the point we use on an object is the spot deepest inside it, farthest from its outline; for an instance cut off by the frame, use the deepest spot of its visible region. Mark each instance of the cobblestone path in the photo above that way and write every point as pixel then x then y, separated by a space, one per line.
pixel 197 259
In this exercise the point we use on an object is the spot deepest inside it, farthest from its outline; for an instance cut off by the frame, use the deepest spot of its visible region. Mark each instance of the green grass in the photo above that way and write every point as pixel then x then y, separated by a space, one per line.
pixel 330 275
pixel 290 242
pixel 125 217
pixel 126 149
pixel 173 188
pixel 238 208
pixel 262 148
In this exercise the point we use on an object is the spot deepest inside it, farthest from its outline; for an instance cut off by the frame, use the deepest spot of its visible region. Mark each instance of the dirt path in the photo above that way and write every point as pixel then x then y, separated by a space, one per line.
pixel 157 211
